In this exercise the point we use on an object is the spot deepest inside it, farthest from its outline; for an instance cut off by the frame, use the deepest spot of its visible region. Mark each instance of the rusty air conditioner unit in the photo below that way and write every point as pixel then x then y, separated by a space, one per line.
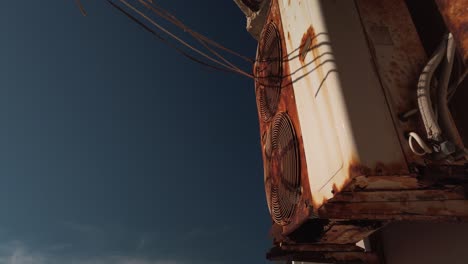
pixel 359 127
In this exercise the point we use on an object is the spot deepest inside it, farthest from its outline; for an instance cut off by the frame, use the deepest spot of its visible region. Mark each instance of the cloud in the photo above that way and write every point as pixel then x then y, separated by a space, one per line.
pixel 122 260
pixel 18 253
pixel 125 260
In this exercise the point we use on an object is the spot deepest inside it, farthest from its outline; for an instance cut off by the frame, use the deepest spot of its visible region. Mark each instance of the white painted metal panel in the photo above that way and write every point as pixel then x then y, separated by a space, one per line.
pixel 342 111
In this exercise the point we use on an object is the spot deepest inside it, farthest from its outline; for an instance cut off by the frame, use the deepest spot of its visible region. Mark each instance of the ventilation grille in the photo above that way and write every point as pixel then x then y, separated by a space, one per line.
pixel 282 170
pixel 269 71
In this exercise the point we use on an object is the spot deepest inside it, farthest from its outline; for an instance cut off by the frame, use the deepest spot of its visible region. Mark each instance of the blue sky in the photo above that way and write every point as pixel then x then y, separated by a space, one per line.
pixel 116 149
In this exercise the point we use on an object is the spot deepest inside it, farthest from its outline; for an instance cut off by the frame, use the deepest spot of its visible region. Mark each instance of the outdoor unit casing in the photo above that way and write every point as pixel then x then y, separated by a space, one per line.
pixel 332 96
pixel 332 78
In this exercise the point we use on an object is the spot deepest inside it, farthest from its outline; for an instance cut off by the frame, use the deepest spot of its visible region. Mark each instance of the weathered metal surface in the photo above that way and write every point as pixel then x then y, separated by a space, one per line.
pixel 349 149
pixel 269 71
pixel 375 244
pixel 380 169
pixel 440 174
pixel 308 43
pixel 283 179
pixel 399 58
pixel 286 104
pixel 406 210
pixel 277 254
pixel 321 247
pixel 384 183
pixel 348 233
pixel 455 14
pixel 256 12
pixel 325 42
pixel 456 193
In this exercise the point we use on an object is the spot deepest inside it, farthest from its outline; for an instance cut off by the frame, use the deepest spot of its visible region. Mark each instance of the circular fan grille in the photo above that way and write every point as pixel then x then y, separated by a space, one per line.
pixel 269 71
pixel 282 170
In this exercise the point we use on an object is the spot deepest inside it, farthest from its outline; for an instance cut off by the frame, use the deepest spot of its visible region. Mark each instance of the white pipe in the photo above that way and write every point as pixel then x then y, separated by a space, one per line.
pixel 424 93
pixel 423 145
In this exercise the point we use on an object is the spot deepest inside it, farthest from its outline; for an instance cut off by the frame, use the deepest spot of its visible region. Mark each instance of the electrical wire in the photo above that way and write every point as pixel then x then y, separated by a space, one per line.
pixel 165 40
pixel 160 11
pixel 178 23
pixel 204 41
pixel 80 6
pixel 423 145
pixel 131 7
pixel 207 43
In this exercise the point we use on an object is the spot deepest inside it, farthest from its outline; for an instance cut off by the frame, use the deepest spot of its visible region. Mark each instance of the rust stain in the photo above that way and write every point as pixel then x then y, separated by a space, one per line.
pixel 401 195
pixel 397 182
pixel 321 247
pixel 349 232
pixel 356 169
pixel 289 39
pixel 308 42
pixel 276 232
pixel 455 16
pixel 395 168
pixel 335 189
pixel 287 104
pixel 399 58
pixel 401 210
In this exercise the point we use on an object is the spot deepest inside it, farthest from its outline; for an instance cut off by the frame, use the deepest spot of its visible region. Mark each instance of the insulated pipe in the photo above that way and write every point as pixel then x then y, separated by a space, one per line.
pixel 425 148
pixel 445 117
pixel 424 94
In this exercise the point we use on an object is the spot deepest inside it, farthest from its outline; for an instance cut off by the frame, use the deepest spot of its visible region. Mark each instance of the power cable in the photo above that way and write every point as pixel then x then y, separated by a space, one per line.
pixel 160 11
pixel 165 41
pixel 172 19
pixel 131 7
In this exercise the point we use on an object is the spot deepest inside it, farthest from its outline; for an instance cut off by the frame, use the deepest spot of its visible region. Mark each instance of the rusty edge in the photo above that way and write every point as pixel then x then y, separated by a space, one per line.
pixel 454 193
pixel 278 254
pixel 322 247
pixel 349 232
pixel 287 104
pixel 448 210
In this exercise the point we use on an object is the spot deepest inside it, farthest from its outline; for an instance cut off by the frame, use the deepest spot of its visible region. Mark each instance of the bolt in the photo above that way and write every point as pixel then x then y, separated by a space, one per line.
pixel 447 148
